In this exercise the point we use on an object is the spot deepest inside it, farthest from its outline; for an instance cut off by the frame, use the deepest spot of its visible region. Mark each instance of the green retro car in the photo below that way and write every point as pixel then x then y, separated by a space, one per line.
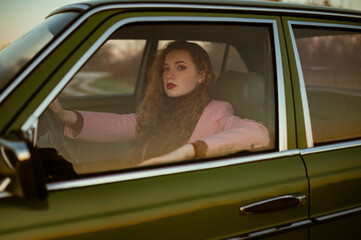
pixel 294 69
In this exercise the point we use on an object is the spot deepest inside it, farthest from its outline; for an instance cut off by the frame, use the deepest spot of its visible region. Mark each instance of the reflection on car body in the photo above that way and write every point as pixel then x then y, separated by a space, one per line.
pixel 292 69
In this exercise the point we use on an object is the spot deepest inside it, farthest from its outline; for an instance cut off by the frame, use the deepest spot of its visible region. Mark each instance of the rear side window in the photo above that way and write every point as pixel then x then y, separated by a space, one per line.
pixel 330 60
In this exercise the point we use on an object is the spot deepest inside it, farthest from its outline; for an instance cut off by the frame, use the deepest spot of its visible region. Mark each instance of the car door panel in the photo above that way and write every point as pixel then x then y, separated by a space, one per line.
pixel 335 185
pixel 345 227
pixel 328 135
pixel 334 180
pixel 208 199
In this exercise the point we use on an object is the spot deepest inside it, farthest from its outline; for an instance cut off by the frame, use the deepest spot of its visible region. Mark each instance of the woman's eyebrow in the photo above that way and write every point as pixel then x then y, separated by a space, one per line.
pixel 177 62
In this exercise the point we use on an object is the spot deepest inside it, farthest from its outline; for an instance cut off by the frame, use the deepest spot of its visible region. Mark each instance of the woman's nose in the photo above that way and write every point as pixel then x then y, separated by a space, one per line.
pixel 170 74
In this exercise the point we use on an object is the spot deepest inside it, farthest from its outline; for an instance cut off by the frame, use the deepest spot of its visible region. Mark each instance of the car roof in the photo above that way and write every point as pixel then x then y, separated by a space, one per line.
pixel 276 7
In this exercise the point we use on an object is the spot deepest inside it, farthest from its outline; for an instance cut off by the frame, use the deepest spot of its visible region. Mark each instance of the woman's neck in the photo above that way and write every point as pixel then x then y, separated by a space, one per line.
pixel 181 100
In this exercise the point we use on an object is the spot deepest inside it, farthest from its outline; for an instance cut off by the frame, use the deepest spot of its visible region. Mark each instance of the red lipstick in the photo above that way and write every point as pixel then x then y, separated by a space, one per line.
pixel 170 85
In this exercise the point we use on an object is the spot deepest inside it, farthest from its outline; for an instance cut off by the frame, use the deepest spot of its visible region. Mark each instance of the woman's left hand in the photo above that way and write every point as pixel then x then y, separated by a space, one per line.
pixel 185 152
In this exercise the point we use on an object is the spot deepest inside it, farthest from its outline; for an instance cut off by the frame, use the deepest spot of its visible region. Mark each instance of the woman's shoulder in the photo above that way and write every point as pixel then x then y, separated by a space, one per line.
pixel 219 106
pixel 215 104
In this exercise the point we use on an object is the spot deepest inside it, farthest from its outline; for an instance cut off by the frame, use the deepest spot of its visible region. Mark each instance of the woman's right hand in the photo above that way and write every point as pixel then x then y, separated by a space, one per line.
pixel 64 116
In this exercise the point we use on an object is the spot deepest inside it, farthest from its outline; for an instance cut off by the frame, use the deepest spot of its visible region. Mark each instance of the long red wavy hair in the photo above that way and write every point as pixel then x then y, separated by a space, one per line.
pixel 165 123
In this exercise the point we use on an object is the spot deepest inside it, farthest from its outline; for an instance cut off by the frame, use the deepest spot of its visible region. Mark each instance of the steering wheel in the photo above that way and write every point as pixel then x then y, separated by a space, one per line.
pixel 80 152
pixel 56 137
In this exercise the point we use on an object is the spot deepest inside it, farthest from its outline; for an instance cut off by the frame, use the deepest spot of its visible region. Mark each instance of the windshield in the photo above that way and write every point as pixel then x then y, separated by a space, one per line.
pixel 18 54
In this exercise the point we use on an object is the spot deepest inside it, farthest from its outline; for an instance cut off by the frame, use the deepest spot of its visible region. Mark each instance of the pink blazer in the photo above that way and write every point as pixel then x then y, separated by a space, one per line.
pixel 218 127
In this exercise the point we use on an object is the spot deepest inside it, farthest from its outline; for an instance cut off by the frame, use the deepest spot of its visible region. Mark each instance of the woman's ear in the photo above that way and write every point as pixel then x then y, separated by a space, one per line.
pixel 202 76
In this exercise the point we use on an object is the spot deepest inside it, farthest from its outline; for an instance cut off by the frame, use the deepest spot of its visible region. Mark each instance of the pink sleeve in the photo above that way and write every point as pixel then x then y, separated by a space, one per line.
pixel 235 134
pixel 104 127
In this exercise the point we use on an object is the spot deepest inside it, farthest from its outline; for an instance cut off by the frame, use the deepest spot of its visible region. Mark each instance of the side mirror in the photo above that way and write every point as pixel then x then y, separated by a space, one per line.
pixel 21 171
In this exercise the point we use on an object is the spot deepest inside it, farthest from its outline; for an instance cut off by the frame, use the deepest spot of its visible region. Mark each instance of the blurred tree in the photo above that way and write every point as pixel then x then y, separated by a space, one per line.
pixel 122 64
pixel 320 3
pixel 310 2
pixel 327 3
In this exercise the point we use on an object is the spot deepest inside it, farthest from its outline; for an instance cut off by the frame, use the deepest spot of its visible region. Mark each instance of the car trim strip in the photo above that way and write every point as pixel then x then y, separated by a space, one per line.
pixel 304 99
pixel 331 147
pixel 338 214
pixel 299 224
pixel 273 230
pixel 42 56
pixel 282 118
pixel 161 171
pixel 146 173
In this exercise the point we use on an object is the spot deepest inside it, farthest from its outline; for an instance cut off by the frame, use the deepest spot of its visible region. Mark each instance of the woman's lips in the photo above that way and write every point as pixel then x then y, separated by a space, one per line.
pixel 171 85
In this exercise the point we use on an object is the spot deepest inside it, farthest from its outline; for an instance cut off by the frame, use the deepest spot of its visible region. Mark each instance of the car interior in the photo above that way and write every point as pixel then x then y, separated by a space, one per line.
pixel 243 61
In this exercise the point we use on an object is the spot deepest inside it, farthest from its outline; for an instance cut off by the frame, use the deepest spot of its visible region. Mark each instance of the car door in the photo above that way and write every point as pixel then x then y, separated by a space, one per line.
pixel 263 193
pixel 327 59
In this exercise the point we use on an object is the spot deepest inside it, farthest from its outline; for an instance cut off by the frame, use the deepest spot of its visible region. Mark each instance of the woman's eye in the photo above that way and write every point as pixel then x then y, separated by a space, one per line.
pixel 181 67
pixel 165 69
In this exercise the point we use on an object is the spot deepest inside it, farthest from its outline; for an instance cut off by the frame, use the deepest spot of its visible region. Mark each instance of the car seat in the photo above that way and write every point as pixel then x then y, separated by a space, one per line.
pixel 247 94
pixel 245 91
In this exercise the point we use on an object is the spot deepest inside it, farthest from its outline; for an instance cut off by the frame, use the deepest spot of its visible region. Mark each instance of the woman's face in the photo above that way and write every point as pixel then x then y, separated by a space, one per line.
pixel 180 74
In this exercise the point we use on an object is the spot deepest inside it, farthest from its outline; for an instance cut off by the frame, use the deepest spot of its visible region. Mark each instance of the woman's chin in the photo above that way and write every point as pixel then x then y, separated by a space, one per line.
pixel 173 94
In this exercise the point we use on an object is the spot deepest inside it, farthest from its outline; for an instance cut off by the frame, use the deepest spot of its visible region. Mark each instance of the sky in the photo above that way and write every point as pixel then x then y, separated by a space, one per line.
pixel 17 17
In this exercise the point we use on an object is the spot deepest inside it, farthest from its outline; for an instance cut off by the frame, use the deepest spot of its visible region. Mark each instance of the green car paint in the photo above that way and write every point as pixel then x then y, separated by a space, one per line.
pixel 201 204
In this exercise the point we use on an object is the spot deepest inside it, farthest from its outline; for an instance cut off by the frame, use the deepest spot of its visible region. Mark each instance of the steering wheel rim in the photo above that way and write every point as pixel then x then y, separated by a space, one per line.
pixel 57 139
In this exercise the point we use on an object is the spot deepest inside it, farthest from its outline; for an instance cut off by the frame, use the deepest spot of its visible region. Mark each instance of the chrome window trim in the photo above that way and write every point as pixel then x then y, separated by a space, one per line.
pixel 320 24
pixel 282 118
pixel 162 171
pixel 304 99
pixel 282 113
pixel 97 9
pixel 331 147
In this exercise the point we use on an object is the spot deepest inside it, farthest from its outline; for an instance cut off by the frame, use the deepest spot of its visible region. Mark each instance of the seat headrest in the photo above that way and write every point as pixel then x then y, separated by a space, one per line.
pixel 245 91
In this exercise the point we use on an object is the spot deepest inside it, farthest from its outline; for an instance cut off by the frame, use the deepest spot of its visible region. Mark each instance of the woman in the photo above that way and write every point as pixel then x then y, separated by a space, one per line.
pixel 177 119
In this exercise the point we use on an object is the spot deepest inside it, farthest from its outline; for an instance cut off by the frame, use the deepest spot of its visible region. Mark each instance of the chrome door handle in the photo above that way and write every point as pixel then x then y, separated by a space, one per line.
pixel 274 204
